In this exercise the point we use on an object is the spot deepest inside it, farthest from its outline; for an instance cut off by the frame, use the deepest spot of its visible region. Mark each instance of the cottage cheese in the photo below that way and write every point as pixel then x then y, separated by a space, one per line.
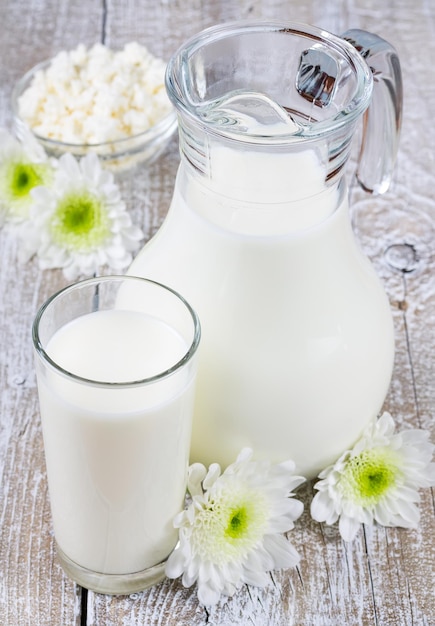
pixel 96 95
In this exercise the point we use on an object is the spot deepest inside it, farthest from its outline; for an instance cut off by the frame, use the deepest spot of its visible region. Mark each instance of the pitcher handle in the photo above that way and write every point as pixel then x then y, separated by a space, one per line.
pixel 382 120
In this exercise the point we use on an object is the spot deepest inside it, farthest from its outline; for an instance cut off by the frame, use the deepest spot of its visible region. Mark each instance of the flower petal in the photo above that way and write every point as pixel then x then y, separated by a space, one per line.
pixel 196 475
pixel 175 564
pixel 282 550
pixel 207 595
pixel 323 508
pixel 348 527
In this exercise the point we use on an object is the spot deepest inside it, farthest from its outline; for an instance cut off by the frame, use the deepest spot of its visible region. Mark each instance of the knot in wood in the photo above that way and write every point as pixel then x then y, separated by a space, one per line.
pixel 402 257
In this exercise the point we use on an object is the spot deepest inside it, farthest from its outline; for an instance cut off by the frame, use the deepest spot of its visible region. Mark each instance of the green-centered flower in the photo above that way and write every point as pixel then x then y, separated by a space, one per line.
pixel 23 166
pixel 232 532
pixel 80 223
pixel 378 480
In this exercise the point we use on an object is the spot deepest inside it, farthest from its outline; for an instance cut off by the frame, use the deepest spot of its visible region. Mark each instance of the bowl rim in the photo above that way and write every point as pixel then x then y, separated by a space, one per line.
pixel 147 136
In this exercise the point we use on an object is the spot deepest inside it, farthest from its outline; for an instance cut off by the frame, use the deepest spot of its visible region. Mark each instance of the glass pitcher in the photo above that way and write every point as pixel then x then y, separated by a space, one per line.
pixel 297 336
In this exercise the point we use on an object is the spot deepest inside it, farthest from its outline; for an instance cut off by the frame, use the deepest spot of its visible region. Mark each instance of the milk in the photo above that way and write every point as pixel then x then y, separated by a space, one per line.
pixel 297 337
pixel 116 457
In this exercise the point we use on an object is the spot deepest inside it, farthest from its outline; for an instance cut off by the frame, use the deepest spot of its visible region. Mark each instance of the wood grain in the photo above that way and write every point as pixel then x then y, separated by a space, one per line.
pixel 386 576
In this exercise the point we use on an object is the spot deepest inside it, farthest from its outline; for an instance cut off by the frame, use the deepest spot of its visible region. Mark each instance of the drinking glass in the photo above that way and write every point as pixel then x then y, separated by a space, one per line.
pixel 116 366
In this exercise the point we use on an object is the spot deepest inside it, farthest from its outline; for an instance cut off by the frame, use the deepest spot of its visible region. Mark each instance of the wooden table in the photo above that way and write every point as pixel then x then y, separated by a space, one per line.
pixel 385 577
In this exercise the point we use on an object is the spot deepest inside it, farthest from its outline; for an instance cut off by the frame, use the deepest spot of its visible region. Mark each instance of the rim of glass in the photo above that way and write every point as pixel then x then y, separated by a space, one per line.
pixel 166 122
pixel 313 130
pixel 42 354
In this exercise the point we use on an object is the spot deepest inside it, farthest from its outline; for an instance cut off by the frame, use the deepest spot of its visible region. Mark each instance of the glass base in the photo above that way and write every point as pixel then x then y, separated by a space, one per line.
pixel 113 584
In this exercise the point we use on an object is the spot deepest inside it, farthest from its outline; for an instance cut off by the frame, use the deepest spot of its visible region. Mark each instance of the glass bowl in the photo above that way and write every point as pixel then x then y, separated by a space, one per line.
pixel 117 155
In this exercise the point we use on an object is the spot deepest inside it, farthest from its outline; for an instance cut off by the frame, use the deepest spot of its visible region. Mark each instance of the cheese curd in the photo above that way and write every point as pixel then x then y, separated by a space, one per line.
pixel 96 95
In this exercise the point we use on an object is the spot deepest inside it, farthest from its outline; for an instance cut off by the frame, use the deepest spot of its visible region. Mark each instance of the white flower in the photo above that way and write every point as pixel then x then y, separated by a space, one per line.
pixel 378 480
pixel 23 166
pixel 232 531
pixel 80 223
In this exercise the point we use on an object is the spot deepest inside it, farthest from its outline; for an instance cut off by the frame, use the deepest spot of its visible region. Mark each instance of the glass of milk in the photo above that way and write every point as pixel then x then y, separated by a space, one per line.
pixel 116 387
